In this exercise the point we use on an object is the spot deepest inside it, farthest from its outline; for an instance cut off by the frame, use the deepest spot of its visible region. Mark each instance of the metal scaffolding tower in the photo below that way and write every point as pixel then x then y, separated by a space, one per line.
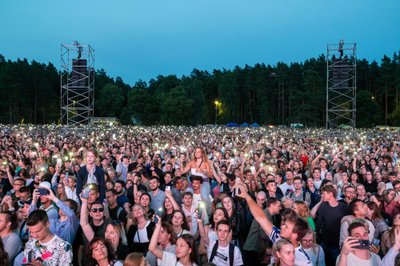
pixel 341 85
pixel 77 84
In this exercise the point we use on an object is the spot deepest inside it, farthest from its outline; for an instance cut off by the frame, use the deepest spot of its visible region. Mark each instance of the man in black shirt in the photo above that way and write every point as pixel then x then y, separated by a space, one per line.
pixel 117 213
pixel 329 214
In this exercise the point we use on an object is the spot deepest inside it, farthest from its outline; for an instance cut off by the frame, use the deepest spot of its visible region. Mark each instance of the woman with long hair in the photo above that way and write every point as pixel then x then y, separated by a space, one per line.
pixel 60 193
pixel 185 254
pixel 388 237
pixel 374 215
pixel 140 229
pixel 168 210
pixel 283 252
pixel 166 242
pixel 200 166
pixel 390 204
pixel 179 223
pixel 101 254
pixel 314 251
pixel 115 233
pixel 378 199
pixel 233 217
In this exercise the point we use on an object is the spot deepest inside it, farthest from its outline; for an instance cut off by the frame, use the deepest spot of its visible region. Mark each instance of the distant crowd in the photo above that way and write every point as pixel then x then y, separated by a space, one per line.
pixel 198 196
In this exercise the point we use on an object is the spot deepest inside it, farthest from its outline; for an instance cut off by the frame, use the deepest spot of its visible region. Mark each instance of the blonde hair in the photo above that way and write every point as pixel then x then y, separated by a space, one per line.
pixel 134 259
pixel 302 209
pixel 278 246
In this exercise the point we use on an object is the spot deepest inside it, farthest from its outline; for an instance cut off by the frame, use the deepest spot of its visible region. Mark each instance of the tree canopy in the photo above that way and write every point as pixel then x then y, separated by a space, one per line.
pixel 263 94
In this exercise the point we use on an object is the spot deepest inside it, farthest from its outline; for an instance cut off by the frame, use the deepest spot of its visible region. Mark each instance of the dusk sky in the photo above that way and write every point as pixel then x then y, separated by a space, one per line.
pixel 143 39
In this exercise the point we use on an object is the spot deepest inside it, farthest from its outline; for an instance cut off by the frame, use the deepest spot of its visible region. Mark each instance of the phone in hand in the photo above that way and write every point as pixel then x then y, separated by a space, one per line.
pixel 363 244
pixel 150 213
pixel 85 193
pixel 376 242
pixel 43 191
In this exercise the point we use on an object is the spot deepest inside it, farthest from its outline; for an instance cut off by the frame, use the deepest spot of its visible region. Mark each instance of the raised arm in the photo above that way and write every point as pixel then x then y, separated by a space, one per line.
pixel 168 194
pixel 86 228
pixel 153 247
pixel 202 232
pixel 256 210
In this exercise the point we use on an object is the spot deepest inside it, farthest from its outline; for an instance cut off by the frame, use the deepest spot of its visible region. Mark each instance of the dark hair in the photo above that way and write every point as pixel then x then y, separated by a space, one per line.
pixel 316 168
pixel 97 202
pixel 72 204
pixel 187 193
pixel 300 228
pixel 196 177
pixel 20 179
pixel 329 188
pixel 326 182
pixel 24 173
pixel 36 217
pixel 225 214
pixel 354 225
pixel 11 217
pixel 113 191
pixel 170 230
pixel 289 215
pixel 192 245
pixel 154 177
pixel 121 182
pixel 272 200
pixel 145 194
pixel 90 248
pixel 24 190
pixel 353 205
pixel 185 225
pixel 224 222
pixel 376 214
pixel 4 258
pixel 298 178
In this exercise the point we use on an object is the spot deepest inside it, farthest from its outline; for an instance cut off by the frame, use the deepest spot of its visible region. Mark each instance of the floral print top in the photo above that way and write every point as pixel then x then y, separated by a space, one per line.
pixel 55 252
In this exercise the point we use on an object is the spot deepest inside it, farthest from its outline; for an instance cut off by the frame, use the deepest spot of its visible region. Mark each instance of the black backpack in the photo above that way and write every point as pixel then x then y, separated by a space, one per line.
pixel 231 252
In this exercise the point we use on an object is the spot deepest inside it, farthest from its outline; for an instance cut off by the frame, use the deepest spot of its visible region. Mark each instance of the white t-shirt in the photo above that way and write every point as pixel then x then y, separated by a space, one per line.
pixel 141 235
pixel 354 260
pixel 284 187
pixel 170 259
pixel 222 255
pixel 301 258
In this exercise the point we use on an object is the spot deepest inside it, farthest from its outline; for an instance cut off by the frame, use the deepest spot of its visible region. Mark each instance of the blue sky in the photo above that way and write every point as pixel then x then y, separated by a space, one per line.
pixel 142 39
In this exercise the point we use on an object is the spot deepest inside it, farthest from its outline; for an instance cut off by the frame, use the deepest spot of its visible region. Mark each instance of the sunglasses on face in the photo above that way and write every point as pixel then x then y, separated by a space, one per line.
pixel 97 210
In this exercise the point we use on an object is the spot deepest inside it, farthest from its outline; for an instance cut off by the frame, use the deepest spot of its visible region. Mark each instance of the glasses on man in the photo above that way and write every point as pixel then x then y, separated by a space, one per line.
pixel 97 210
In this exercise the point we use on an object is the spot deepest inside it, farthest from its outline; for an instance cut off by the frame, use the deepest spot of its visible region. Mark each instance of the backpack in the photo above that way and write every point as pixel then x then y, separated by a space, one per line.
pixel 231 252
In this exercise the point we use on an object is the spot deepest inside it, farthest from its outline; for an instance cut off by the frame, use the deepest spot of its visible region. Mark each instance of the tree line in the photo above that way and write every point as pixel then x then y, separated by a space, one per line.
pixel 265 94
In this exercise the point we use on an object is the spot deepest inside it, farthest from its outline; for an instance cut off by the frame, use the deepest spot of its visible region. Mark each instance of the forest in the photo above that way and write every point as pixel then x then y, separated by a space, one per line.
pixel 277 94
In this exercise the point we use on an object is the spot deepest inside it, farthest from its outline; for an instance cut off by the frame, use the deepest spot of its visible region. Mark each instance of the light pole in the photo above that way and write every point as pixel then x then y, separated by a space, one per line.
pixel 216 110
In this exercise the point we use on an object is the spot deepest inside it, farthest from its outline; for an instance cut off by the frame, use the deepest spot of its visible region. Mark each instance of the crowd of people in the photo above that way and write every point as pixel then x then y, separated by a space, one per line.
pixel 206 195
